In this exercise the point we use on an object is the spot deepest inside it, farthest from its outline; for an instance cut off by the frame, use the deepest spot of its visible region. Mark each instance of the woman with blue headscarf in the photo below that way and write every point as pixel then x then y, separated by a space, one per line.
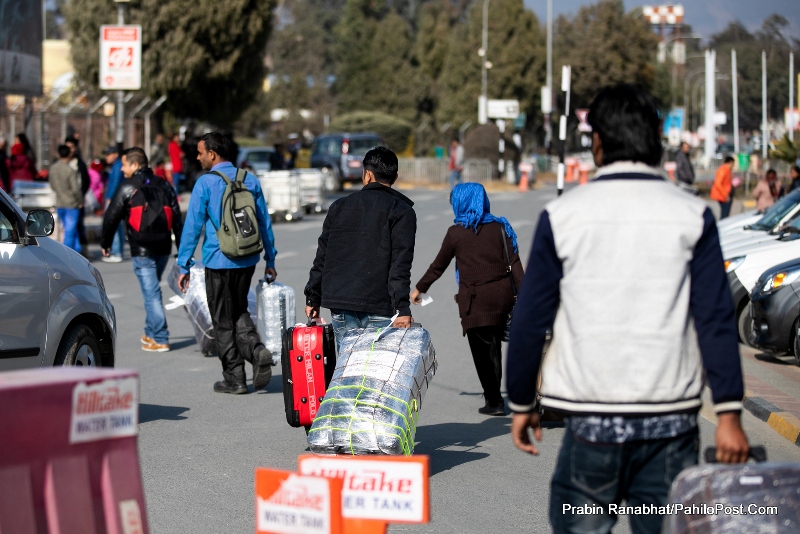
pixel 485 295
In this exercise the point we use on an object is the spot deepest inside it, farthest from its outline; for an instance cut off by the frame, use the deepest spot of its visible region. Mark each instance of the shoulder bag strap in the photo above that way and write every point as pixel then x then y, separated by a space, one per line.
pixel 508 262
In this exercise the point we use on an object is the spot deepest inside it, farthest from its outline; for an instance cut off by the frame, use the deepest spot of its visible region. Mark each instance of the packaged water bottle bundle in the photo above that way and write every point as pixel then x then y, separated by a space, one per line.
pixel 373 401
pixel 276 313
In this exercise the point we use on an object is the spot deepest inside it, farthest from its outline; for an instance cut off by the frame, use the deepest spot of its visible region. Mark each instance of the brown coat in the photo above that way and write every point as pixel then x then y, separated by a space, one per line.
pixel 484 292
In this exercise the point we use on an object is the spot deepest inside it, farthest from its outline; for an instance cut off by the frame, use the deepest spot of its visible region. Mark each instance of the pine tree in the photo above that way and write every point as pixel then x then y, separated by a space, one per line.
pixel 206 57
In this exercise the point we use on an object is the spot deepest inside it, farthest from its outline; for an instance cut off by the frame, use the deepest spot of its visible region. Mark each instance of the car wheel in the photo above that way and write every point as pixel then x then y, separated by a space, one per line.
pixel 745 324
pixel 79 348
pixel 331 180
pixel 796 341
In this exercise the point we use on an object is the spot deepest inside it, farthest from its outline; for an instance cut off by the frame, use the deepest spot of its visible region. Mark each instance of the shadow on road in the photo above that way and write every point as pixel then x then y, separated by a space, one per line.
pixel 183 343
pixel 770 357
pixel 452 444
pixel 157 412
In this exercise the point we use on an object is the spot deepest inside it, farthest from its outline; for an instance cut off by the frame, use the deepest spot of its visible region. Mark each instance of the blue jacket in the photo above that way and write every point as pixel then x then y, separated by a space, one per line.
pixel 206 206
pixel 114 179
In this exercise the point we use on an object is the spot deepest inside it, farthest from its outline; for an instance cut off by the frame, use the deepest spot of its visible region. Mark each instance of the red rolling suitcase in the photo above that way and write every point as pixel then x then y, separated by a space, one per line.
pixel 307 370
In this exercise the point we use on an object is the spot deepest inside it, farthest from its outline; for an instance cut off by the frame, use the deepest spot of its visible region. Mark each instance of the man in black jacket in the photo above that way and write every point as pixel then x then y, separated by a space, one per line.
pixel 684 171
pixel 150 254
pixel 362 271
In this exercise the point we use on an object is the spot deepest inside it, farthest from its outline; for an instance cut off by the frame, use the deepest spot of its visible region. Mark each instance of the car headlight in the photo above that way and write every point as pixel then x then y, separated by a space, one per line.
pixel 97 277
pixel 780 279
pixel 733 263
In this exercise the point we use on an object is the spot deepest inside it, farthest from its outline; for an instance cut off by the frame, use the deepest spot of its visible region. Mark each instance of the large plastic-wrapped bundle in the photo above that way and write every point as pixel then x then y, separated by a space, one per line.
pixel 196 304
pixel 753 498
pixel 373 401
pixel 276 313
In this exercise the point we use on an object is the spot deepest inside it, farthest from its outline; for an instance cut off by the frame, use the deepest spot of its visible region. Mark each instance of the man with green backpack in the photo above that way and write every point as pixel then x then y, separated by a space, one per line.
pixel 229 209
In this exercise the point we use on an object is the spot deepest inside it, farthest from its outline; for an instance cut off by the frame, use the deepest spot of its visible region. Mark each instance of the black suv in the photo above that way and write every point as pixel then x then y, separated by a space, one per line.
pixel 341 154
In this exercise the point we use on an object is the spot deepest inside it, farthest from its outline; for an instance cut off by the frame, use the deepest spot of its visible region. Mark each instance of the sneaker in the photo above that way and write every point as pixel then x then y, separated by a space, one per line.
pixel 488 409
pixel 234 389
pixel 147 340
pixel 262 368
pixel 156 347
pixel 112 259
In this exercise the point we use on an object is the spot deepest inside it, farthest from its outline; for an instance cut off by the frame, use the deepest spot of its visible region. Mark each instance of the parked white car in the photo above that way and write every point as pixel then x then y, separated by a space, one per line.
pixel 53 305
pixel 765 229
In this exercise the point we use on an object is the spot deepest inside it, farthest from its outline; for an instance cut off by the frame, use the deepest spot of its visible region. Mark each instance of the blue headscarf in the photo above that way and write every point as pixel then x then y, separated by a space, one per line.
pixel 471 207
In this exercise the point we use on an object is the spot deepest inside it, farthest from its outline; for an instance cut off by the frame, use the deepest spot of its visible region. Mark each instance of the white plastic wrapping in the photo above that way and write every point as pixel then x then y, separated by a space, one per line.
pixel 275 305
pixel 373 401
pixel 728 499
pixel 195 302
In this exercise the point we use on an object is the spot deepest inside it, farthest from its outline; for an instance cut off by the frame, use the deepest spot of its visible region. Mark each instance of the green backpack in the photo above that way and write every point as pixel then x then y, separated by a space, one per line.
pixel 238 233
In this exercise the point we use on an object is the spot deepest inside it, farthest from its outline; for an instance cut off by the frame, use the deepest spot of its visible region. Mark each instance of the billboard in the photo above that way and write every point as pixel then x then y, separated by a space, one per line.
pixel 121 57
pixel 21 47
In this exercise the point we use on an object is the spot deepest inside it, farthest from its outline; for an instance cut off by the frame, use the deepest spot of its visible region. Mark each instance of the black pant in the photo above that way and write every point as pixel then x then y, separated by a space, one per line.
pixel 725 208
pixel 485 344
pixel 235 333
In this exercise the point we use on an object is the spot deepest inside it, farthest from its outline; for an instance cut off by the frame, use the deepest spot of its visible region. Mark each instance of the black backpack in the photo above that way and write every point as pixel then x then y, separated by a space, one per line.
pixel 150 218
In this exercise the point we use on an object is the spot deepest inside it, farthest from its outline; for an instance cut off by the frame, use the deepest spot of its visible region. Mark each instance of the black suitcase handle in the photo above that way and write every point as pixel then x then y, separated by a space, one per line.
pixel 757 453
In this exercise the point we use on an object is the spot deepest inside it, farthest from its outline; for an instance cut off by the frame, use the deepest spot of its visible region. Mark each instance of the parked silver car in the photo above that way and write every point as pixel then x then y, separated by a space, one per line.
pixel 53 305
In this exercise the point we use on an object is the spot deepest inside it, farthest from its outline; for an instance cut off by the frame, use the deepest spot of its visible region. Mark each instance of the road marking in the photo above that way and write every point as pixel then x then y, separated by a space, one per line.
pixel 112 296
pixel 519 224
pixel 284 255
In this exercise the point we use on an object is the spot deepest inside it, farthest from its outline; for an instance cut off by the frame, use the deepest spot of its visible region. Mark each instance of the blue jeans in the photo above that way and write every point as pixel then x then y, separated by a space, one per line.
pixel 593 475
pixel 149 270
pixel 69 220
pixel 119 240
pixel 344 320
pixel 455 178
pixel 177 178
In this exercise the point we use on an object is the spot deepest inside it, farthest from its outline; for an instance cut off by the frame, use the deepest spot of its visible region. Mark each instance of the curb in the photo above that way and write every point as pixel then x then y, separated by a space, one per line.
pixel 784 423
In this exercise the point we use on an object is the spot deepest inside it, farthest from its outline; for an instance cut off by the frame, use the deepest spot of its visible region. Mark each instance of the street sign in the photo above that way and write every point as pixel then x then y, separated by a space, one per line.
pixel 583 116
pixel 121 57
pixel 287 503
pixel 502 109
pixel 566 75
pixel 791 118
pixel 720 117
pixel 547 100
pixel 390 489
pixel 520 120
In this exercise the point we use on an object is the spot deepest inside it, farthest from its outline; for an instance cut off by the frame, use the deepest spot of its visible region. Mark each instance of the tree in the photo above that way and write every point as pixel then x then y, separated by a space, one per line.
pixel 516 50
pixel 604 46
pixel 206 57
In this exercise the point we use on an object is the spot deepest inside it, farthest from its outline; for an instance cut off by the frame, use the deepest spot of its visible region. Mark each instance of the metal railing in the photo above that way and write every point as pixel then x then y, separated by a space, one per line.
pixel 435 171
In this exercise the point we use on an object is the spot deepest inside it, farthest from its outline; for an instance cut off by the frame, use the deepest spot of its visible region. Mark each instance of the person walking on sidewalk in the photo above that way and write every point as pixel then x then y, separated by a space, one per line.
pixel 66 184
pixel 362 270
pixel 764 191
pixel 488 271
pixel 176 158
pixel 456 163
pixel 115 178
pixel 684 171
pixel 227 278
pixel 148 235
pixel 629 354
pixel 722 190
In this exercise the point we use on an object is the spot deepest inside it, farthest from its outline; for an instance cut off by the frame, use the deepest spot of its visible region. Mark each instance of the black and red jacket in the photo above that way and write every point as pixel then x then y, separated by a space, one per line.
pixel 119 210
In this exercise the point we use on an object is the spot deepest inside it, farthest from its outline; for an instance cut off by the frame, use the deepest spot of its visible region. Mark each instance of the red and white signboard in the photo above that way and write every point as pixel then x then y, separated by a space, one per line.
pixel 287 503
pixel 389 490
pixel 107 409
pixel 583 117
pixel 121 57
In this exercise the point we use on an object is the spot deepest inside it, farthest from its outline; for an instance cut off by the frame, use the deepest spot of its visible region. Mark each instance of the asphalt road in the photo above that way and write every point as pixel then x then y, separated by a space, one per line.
pixel 199 449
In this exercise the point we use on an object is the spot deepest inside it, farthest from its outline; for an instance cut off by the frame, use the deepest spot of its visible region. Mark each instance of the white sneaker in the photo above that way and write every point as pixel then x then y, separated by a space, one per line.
pixel 112 259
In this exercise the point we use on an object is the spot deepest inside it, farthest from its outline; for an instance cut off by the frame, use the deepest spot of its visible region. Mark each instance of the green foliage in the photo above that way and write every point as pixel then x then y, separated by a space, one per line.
pixel 786 150
pixel 207 57
pixel 604 46
pixel 395 131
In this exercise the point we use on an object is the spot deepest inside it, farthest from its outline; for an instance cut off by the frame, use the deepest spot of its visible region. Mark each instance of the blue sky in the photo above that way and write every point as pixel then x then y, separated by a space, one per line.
pixel 706 16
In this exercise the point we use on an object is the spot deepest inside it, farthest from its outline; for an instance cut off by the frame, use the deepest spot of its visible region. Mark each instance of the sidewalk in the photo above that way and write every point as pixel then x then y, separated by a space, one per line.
pixel 772 391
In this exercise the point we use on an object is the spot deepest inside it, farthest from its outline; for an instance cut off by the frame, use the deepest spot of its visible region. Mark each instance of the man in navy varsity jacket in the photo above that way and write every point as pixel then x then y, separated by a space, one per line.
pixel 628 273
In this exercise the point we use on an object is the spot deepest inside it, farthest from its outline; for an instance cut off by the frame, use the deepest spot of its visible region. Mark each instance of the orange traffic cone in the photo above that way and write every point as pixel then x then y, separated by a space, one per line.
pixel 523 182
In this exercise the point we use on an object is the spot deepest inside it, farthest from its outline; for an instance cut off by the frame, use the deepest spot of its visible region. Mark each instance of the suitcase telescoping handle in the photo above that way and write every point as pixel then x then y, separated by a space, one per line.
pixel 758 453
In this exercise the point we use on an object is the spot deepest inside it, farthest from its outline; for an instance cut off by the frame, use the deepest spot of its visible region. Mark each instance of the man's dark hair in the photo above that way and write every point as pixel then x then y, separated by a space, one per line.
pixel 626 119
pixel 215 141
pixel 136 155
pixel 71 139
pixel 382 162
pixel 796 169
pixel 772 171
pixel 728 159
pixel 63 151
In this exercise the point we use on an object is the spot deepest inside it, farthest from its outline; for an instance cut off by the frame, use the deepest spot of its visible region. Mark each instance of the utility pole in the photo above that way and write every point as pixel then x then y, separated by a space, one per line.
pixel 793 120
pixel 711 136
pixel 735 91
pixel 566 79
pixel 120 122
pixel 764 127
pixel 547 107
pixel 483 53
